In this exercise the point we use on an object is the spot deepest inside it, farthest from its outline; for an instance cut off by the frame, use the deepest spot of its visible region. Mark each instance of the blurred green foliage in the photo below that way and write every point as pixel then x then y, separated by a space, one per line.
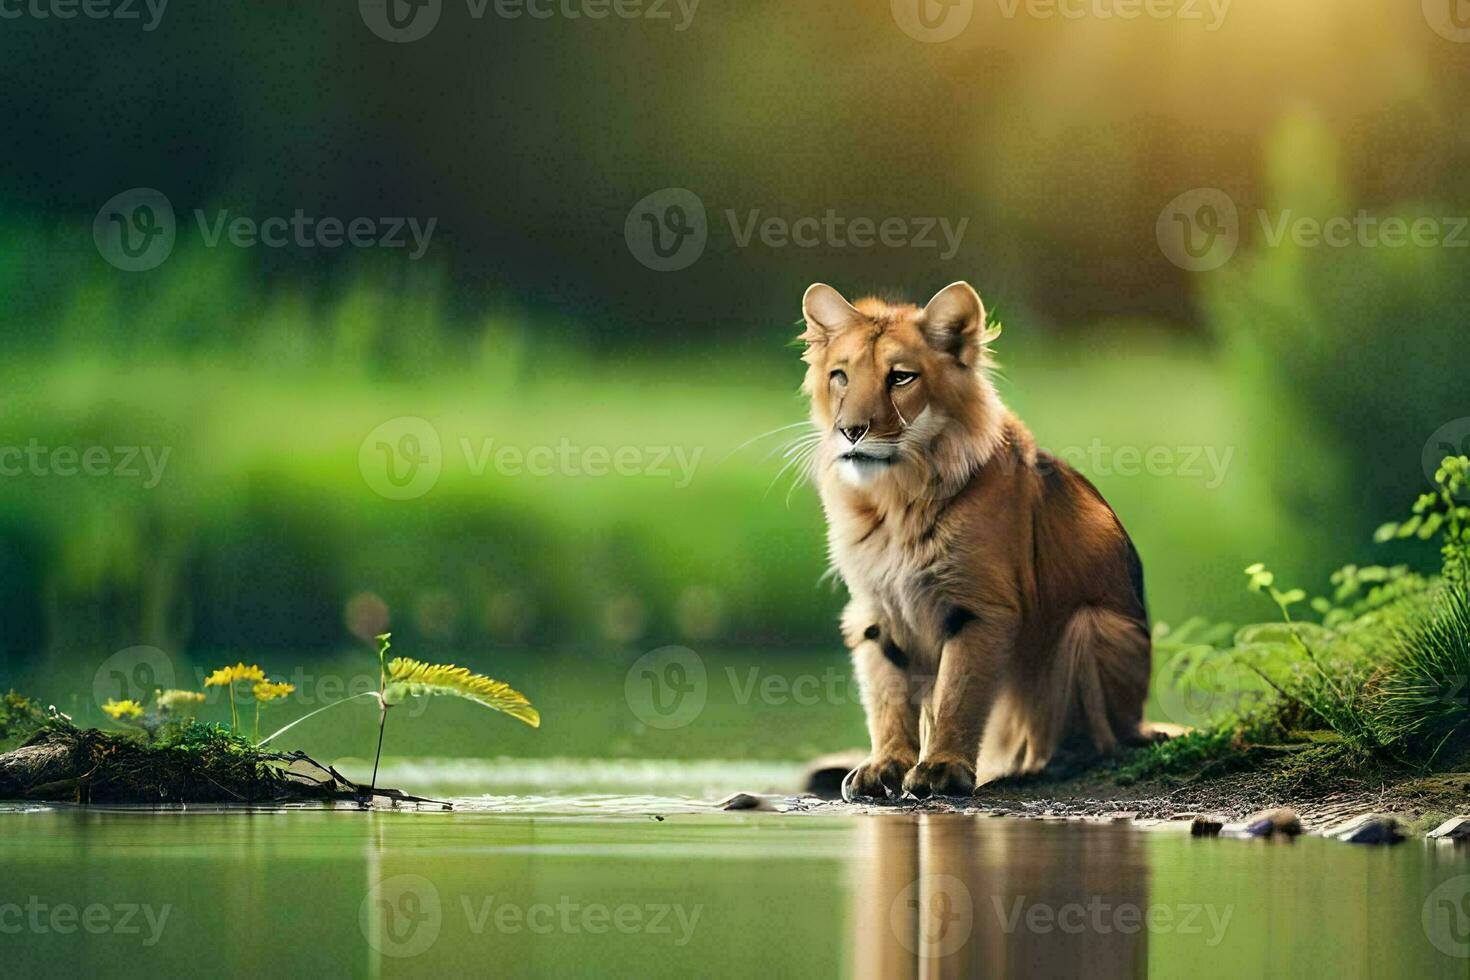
pixel 1274 406
pixel 263 527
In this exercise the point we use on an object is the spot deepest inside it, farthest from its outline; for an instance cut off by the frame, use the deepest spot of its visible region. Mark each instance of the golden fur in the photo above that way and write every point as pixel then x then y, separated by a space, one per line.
pixel 997 604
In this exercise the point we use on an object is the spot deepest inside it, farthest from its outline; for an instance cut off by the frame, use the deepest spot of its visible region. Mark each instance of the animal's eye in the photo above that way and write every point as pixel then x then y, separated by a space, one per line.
pixel 900 378
pixel 838 377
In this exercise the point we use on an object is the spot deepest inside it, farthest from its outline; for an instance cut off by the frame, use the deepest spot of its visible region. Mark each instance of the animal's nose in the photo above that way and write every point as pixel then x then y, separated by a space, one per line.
pixel 853 433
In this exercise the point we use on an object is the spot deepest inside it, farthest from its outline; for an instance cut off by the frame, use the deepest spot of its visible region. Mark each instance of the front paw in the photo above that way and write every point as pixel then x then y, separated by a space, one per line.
pixel 934 777
pixel 876 779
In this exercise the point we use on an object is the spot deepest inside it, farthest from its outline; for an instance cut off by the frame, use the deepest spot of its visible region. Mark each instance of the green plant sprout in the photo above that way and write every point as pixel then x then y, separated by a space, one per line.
pixel 404 677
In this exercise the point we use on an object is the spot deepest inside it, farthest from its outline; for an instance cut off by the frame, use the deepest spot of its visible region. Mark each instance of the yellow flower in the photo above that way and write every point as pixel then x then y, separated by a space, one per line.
pixel 173 699
pixel 123 710
pixel 226 676
pixel 271 690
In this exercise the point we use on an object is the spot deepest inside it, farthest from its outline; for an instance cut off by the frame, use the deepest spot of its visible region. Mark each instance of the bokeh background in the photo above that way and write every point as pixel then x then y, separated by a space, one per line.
pixel 1269 397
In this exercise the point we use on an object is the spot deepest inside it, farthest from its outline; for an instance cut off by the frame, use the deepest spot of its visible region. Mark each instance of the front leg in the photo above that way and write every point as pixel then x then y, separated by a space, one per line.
pixel 893 718
pixel 971 665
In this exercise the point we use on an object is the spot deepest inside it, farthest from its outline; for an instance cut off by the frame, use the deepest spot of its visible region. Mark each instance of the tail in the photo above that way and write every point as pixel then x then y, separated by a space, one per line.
pixel 1110 656
pixel 1088 696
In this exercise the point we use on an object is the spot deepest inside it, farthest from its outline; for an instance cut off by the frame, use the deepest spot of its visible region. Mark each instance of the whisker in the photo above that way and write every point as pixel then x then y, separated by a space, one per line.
pixel 781 472
pixel 805 439
pixel 803 476
pixel 806 472
pixel 779 428
pixel 799 464
pixel 793 447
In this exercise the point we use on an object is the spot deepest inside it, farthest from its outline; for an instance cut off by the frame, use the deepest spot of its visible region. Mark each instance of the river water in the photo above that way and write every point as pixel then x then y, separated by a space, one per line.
pixel 667 885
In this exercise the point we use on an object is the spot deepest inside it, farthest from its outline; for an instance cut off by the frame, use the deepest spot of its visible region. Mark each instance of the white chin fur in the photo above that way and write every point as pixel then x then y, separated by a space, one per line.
pixel 859 472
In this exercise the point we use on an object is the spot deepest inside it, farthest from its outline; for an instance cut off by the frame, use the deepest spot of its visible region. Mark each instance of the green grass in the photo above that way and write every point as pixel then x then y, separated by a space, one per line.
pixel 1422 701
pixel 1378 677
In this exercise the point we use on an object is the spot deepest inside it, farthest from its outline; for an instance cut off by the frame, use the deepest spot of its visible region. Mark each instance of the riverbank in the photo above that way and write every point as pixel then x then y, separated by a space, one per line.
pixel 1326 785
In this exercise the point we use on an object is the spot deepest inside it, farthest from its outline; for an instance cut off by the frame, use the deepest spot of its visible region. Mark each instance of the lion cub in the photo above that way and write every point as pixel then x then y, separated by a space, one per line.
pixel 997 603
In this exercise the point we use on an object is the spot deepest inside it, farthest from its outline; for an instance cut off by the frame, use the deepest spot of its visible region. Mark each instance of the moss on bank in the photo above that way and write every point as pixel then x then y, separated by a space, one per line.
pixel 20 718
pixel 182 763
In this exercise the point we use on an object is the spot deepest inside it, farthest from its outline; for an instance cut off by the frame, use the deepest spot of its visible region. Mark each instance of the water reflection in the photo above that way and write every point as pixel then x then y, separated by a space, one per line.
pixel 939 895
pixel 643 887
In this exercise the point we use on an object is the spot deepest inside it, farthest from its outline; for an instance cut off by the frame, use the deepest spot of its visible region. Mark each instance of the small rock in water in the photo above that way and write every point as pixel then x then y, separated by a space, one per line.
pixel 1370 828
pixel 1455 828
pixel 1268 823
pixel 744 801
pixel 1206 826
pixel 1122 816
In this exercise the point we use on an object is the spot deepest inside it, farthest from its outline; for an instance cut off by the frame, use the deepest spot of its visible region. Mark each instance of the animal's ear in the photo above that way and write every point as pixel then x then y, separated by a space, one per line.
pixel 825 312
pixel 954 322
